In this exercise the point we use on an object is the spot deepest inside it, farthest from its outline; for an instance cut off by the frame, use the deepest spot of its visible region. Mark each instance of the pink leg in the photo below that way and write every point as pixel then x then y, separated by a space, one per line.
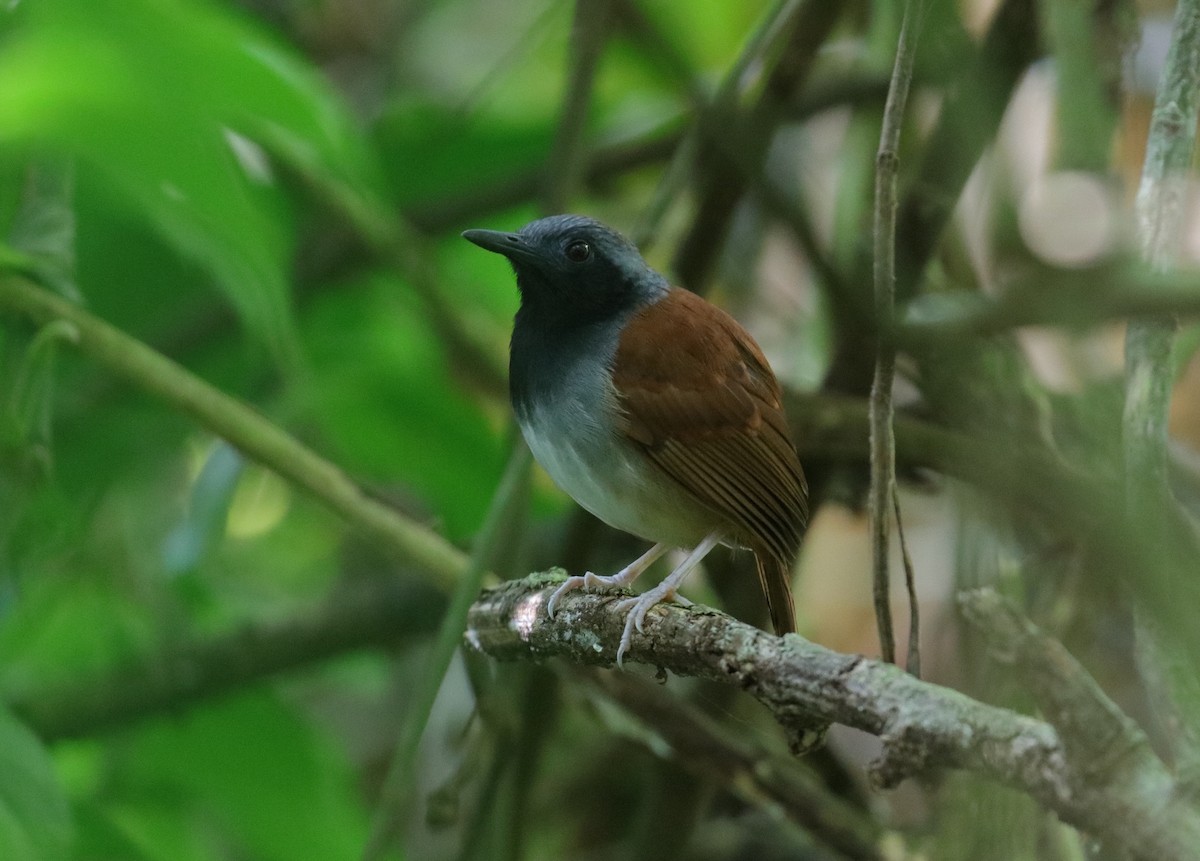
pixel 616 581
pixel 664 591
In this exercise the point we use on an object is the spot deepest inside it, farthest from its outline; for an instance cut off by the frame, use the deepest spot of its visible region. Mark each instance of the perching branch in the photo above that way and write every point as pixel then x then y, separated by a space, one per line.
pixel 1130 801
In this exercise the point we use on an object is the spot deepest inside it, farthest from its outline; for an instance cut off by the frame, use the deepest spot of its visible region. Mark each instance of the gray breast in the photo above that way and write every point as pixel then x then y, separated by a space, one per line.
pixel 569 429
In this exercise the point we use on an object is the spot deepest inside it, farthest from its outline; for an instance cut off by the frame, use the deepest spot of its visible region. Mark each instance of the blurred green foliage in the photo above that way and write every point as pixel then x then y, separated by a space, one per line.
pixel 198 165
pixel 269 192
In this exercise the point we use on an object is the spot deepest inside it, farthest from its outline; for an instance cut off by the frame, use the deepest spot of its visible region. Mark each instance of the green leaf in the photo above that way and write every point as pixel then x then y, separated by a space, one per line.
pixel 172 101
pixel 44 224
pixel 61 630
pixel 34 816
pixel 256 770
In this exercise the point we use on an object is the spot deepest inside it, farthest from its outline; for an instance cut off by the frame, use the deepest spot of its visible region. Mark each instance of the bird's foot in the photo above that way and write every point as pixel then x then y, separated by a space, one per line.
pixel 590 582
pixel 638 606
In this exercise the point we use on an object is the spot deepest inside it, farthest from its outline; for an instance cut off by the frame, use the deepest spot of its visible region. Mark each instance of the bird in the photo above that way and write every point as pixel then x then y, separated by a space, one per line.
pixel 652 408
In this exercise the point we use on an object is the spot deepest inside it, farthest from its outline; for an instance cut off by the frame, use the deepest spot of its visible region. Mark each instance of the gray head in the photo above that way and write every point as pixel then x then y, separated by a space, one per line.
pixel 573 269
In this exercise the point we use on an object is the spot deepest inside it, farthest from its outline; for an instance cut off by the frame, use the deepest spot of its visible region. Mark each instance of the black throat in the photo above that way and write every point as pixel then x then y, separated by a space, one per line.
pixel 548 354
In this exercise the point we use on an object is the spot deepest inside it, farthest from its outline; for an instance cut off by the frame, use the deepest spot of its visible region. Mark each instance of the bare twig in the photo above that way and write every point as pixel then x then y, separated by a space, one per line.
pixel 1134 805
pixel 1160 216
pixel 883 438
pixel 912 662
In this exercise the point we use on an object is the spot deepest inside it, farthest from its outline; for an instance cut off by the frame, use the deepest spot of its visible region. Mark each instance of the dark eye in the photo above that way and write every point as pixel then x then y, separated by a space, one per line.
pixel 578 251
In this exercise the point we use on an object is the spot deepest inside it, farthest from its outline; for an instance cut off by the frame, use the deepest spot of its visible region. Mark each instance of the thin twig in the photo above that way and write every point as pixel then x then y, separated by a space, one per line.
pixel 1161 221
pixel 389 812
pixel 252 434
pixel 722 103
pixel 883 435
pixel 913 660
pixel 1094 730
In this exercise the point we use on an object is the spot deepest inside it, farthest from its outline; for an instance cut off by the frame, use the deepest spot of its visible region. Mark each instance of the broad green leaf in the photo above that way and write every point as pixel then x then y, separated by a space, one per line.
pixel 34 817
pixel 171 100
pixel 148 829
pixel 257 771
pixel 64 629
pixel 44 224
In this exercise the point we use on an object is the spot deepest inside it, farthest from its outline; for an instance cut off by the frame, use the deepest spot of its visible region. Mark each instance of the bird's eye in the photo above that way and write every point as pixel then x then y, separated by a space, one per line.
pixel 578 251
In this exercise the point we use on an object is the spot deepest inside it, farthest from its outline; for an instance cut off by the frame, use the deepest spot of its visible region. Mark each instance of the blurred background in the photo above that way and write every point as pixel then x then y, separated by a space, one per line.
pixel 202 661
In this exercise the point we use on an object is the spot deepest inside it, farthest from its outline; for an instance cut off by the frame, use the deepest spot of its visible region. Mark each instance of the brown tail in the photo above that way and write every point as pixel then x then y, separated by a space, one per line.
pixel 776 580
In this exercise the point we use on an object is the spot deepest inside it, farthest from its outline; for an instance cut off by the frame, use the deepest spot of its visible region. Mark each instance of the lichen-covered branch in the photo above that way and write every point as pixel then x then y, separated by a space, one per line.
pixel 1133 805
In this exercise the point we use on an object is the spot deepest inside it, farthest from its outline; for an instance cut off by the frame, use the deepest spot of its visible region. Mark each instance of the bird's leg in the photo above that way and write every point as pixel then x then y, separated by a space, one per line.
pixel 615 581
pixel 640 605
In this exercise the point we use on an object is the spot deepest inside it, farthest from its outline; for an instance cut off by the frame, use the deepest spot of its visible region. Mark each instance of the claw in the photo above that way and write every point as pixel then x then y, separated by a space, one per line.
pixel 588 581
pixel 571 583
pixel 596 582
pixel 642 604
pixel 638 607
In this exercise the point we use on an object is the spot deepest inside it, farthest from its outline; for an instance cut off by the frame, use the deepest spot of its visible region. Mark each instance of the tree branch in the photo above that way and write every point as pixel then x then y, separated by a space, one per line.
pixel 1133 805
pixel 244 428
pixel 382 612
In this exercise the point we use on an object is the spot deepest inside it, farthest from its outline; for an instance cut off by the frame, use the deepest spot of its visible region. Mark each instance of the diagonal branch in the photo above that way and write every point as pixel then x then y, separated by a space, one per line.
pixel 251 433
pixel 1133 805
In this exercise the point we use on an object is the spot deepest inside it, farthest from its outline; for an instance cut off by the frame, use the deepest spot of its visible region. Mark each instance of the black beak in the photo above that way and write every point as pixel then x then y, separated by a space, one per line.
pixel 511 245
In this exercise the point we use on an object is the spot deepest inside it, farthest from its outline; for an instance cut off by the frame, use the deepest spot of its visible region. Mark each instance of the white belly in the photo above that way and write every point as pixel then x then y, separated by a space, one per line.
pixel 600 471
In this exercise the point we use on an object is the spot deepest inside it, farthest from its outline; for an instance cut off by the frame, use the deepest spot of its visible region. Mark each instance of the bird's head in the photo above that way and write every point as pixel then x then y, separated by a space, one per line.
pixel 570 267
